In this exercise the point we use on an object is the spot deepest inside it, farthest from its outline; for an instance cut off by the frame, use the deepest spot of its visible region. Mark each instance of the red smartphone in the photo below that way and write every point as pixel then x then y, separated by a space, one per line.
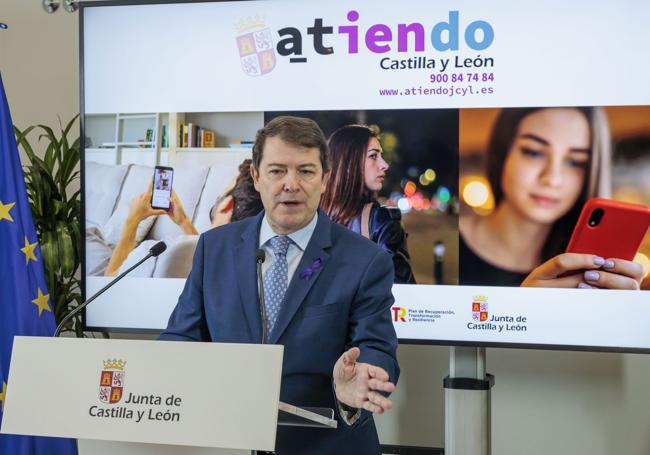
pixel 163 177
pixel 610 229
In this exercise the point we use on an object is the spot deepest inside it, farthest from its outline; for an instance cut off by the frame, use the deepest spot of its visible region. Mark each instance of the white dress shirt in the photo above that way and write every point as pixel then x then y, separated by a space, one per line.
pixel 299 241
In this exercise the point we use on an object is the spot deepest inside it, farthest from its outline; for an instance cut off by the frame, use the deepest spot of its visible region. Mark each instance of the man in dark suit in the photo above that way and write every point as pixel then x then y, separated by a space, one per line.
pixel 327 295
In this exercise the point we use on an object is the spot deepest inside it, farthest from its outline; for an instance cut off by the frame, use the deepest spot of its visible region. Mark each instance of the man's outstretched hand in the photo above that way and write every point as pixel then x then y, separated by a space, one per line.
pixel 358 384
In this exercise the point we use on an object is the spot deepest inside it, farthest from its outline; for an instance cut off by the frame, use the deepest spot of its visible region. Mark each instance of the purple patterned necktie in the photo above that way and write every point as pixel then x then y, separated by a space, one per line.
pixel 276 279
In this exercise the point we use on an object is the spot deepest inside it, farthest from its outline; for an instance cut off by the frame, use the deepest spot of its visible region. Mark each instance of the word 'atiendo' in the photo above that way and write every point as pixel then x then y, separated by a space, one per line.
pixel 381 38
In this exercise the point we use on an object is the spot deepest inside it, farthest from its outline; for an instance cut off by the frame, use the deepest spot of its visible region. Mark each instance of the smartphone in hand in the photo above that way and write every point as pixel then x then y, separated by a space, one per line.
pixel 610 229
pixel 163 177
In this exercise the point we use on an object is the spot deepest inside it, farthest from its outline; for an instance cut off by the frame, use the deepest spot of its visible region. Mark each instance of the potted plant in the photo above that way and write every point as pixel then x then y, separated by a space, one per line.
pixel 52 184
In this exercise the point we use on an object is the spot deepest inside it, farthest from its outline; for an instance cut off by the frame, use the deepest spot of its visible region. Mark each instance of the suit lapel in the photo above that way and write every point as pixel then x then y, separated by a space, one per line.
pixel 246 272
pixel 299 287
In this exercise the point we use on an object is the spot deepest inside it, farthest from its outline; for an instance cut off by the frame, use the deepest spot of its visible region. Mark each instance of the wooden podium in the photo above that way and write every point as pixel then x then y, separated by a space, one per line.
pixel 162 392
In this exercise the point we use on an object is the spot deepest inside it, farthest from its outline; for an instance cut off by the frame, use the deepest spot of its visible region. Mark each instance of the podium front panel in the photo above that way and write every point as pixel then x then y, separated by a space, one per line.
pixel 198 394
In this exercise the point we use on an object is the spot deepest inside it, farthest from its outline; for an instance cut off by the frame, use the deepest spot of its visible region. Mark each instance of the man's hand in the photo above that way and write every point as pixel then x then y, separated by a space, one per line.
pixel 358 384
pixel 571 270
pixel 140 206
pixel 177 214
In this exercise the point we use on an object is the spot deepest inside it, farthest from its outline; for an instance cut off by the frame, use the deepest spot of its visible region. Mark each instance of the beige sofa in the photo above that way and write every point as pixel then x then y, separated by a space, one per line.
pixel 108 192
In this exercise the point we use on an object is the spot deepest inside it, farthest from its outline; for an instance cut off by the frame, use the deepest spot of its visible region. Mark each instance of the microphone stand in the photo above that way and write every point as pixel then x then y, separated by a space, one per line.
pixel 259 259
pixel 72 313
pixel 290 415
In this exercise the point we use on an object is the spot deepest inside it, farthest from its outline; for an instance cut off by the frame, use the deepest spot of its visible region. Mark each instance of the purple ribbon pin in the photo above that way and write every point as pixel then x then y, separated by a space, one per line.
pixel 309 271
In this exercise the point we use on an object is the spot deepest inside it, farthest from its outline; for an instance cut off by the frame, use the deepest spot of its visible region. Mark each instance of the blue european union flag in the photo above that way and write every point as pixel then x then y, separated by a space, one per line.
pixel 25 308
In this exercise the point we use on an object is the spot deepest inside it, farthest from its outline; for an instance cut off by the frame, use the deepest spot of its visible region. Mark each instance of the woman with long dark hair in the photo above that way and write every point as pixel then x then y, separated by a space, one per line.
pixel 356 176
pixel 542 164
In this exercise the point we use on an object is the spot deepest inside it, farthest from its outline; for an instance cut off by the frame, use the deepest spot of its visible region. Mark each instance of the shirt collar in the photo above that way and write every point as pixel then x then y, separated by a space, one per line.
pixel 301 237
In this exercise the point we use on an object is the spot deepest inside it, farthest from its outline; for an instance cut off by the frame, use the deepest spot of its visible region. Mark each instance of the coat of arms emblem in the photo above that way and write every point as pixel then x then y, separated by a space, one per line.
pixel 480 308
pixel 255 45
pixel 111 382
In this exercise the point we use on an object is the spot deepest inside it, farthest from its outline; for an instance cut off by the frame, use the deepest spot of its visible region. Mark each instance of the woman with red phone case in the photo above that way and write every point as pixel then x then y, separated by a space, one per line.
pixel 543 165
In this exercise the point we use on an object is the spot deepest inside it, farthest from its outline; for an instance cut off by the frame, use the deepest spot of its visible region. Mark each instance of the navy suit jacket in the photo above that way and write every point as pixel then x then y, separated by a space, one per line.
pixel 344 303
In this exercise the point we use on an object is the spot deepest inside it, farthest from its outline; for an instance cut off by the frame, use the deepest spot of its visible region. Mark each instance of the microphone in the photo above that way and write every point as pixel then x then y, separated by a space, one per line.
pixel 154 251
pixel 157 249
pixel 260 256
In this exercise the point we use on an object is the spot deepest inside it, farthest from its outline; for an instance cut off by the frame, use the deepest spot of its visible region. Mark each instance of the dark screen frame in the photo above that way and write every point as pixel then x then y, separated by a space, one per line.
pixel 92 4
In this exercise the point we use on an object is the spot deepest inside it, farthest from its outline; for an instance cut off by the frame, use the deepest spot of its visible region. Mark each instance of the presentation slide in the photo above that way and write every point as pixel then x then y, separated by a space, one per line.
pixel 513 142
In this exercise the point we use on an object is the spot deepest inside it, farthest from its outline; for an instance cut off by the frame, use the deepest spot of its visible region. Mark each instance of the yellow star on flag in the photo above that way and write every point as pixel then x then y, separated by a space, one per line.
pixel 4 211
pixel 2 396
pixel 41 302
pixel 29 251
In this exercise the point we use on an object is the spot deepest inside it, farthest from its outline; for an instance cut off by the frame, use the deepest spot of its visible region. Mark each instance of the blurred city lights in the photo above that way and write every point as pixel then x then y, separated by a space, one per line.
pixel 404 205
pixel 409 189
pixel 412 171
pixel 419 202
pixel 642 259
pixel 427 177
pixel 444 194
pixel 389 142
pixel 476 194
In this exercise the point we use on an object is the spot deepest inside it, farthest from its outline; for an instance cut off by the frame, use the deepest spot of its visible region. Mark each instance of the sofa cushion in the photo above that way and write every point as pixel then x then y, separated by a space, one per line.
pixel 176 262
pixel 103 185
pixel 139 252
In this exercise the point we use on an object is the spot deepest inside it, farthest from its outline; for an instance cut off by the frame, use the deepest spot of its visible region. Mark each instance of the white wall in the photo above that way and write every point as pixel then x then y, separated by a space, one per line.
pixel 39 55
pixel 543 402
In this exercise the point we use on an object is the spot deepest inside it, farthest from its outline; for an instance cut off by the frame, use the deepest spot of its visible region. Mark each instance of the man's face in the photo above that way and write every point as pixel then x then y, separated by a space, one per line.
pixel 290 181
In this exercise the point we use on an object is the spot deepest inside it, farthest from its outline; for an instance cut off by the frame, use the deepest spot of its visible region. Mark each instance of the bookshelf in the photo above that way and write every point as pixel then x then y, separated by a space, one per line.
pixel 121 138
pixel 208 156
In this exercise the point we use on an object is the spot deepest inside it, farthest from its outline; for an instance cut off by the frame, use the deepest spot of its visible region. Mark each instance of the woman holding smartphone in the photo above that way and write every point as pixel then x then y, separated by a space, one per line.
pixel 357 174
pixel 543 164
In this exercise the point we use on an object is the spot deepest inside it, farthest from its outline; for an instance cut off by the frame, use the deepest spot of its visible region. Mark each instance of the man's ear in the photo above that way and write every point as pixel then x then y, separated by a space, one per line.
pixel 256 178
pixel 227 204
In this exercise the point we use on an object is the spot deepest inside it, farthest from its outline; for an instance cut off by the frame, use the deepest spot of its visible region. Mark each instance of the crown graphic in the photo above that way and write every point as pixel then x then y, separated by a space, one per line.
pixel 114 364
pixel 250 23
pixel 480 298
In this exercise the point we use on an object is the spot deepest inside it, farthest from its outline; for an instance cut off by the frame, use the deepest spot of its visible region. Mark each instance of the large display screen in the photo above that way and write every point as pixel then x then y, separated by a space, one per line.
pixel 490 126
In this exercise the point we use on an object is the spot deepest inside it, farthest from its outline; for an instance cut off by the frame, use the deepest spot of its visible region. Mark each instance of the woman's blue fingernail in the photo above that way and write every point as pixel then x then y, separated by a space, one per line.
pixel 599 261
pixel 609 264
pixel 590 275
pixel 582 285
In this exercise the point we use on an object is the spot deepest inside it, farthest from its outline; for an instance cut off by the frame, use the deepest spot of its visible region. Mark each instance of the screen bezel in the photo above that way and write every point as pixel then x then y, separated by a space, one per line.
pixel 103 3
